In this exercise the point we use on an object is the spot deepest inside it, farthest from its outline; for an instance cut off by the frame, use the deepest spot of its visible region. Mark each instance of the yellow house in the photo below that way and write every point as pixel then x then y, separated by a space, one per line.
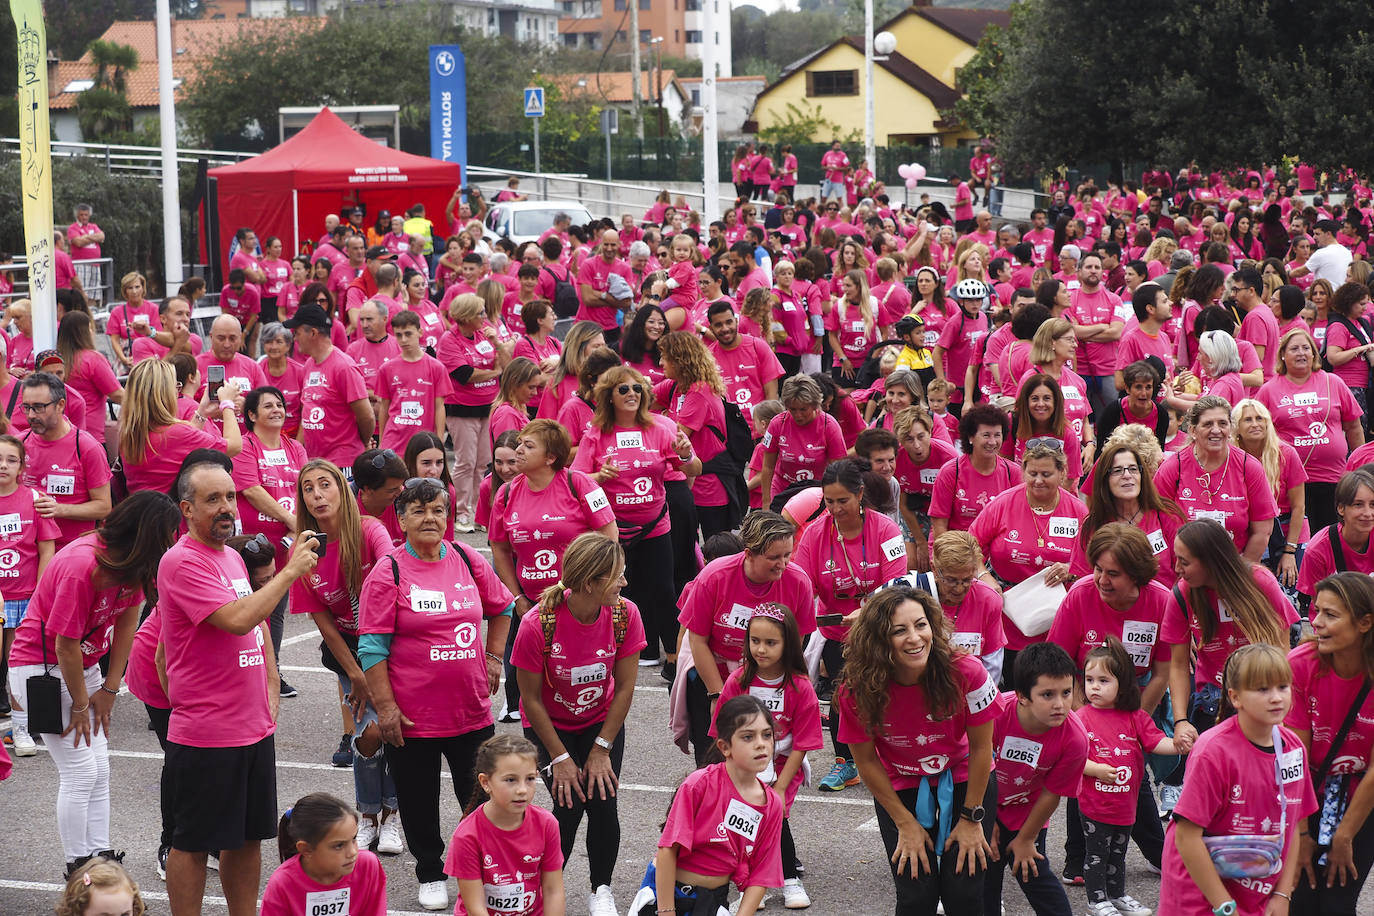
pixel 911 85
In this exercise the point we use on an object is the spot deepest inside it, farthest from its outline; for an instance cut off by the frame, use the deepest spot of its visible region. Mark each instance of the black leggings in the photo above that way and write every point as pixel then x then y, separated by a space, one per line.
pixel 713 520
pixel 603 817
pixel 699 717
pixel 1147 831
pixel 682 513
pixel 961 892
pixel 1104 870
pixel 649 584
pixel 788 847
pixel 791 364
pixel 415 767
pixel 1320 501
pixel 512 685
pixel 160 718
pixel 832 654
pixel 1337 900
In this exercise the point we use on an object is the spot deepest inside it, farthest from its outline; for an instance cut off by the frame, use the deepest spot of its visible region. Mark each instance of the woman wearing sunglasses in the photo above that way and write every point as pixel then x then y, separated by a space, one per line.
pixel 629 451
pixel 353 543
pixel 1030 528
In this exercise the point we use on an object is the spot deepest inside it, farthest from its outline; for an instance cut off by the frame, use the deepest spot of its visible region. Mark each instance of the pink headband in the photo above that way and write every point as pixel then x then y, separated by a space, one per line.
pixel 771 610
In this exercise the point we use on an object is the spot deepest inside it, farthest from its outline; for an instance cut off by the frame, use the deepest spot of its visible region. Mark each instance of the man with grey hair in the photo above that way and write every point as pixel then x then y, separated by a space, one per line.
pixel 1180 259
pixel 240 370
pixel 85 238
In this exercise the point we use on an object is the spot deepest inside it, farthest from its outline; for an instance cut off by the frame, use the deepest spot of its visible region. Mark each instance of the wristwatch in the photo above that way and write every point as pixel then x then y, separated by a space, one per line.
pixel 974 814
pixel 1226 909
pixel 603 743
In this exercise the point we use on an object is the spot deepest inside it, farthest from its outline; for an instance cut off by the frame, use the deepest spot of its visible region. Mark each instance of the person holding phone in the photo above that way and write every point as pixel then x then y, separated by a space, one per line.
pixel 153 442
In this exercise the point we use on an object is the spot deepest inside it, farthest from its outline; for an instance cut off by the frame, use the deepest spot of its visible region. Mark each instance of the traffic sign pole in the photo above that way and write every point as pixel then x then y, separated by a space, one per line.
pixel 543 183
pixel 534 108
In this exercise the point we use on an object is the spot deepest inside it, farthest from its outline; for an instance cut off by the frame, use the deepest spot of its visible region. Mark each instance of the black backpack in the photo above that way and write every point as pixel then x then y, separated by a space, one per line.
pixel 731 464
pixel 1362 331
pixel 565 301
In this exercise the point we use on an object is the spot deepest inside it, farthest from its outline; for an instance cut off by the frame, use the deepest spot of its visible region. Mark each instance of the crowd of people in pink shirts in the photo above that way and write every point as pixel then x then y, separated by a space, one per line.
pixel 1016 512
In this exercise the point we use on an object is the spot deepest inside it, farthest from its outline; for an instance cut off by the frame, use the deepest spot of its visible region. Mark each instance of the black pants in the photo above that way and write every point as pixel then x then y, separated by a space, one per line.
pixel 699 717
pixel 682 513
pixel 1043 891
pixel 791 364
pixel 1147 832
pixel 713 520
pixel 1104 870
pixel 415 767
pixel 512 685
pixel 275 624
pixel 832 655
pixel 603 817
pixel 1336 901
pixel 649 584
pixel 960 892
pixel 788 847
pixel 160 718
pixel 1320 503
pixel 267 311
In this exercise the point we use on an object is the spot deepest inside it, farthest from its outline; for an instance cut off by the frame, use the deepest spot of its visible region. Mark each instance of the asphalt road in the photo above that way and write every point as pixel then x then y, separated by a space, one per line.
pixel 836 835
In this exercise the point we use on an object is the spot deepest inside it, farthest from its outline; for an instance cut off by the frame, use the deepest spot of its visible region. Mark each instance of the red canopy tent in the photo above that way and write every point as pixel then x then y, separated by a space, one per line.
pixel 288 190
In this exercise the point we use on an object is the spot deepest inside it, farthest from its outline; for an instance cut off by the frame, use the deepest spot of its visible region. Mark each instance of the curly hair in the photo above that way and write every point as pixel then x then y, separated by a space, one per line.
pixel 868 658
pixel 692 362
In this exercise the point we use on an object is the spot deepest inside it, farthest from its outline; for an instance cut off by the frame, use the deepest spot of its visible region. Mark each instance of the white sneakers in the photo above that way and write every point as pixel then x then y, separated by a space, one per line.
pixel 1129 906
pixel 23 742
pixel 389 835
pixel 794 896
pixel 601 902
pixel 367 833
pixel 1105 908
pixel 433 895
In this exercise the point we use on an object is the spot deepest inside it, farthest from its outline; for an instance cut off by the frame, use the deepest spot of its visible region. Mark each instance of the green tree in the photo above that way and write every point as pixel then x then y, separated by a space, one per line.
pixel 804 124
pixel 104 110
pixel 766 44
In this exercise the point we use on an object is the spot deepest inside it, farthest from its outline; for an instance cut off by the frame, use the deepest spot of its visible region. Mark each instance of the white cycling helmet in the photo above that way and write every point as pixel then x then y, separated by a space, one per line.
pixel 970 289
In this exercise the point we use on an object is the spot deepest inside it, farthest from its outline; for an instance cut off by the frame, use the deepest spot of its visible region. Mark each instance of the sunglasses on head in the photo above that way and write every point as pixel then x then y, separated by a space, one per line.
pixel 626 389
pixel 1049 442
pixel 259 544
pixel 380 459
pixel 414 482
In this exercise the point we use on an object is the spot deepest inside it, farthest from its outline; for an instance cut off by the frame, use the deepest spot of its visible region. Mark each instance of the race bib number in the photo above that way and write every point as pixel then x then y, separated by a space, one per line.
pixel 507 898
pixel 327 903
pixel 1305 399
pixel 893 547
pixel 588 674
pixel 61 484
pixel 596 500
pixel 629 440
pixel 1223 612
pixel 426 601
pixel 412 410
pixel 856 327
pixel 1021 750
pixel 431 319
pixel 972 643
pixel 10 524
pixel 1138 636
pixel 1072 394
pixel 743 820
pixel 739 617
pixel 484 347
pixel 316 379
pixel 274 457
pixel 1290 766
pixel 928 475
pixel 931 338
pixel 788 307
pixel 1063 526
pixel 770 697
pixel 239 382
pixel 1157 544
pixel 981 699
pixel 241 587
pixel 1216 515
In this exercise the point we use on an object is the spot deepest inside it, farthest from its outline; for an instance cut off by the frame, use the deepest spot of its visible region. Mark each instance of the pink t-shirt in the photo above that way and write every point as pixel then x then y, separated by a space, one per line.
pixel 960 492
pixel 68 603
pixel 1027 764
pixel 959 340
pixel 411 390
pixel 1119 739
pixel 700 410
pixel 576 416
pixel 796 719
pixel 745 369
pixel 148 348
pixel 509 863
pixel 362 892
pixel 370 355
pixel 1181 627
pixel 912 743
pixel 328 427
pixel 325 589
pixel 577 674
pixel 1318 561
pixel 217 681
pixel 802 451
pixel 644 456
pixel 1321 701
pixel 141 674
pixel 1237 494
pixel 1018 543
pixel 1136 344
pixel 456 350
pixel 976 622
pixel 845 571
pixel 1261 328
pixel 721 601
pixel 540 524
pixel 123 322
pixel 275 470
pixel 434 617
pixel 1075 389
pixel 289 383
pixel 595 272
pixel 1232 789
pixel 94 380
pixel 1159 529
pixel 1084 622
pixel 21 528
pixel 162 457
pixel 243 304
pixel 1309 417
pixel 856 337
pixel 240 370
pixel 66 472
pixel 719 833
pixel 1100 307
pixel 505 417
pixel 83 252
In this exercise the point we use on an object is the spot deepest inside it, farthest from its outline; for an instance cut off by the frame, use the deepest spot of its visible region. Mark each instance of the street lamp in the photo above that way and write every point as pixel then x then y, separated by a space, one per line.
pixel 884 43
pixel 658 66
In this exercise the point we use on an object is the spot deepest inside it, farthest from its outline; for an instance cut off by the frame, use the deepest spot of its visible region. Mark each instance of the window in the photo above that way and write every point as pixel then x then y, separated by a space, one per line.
pixel 676 36
pixel 567 7
pixel 620 4
pixel 643 5
pixel 692 6
pixel 594 41
pixel 832 82
pixel 589 8
pixel 694 36
pixel 620 35
pixel 79 86
pixel 645 35
pixel 696 96
pixel 569 39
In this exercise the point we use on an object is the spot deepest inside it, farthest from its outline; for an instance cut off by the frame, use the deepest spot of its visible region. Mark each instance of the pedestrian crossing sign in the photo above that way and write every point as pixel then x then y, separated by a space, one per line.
pixel 534 101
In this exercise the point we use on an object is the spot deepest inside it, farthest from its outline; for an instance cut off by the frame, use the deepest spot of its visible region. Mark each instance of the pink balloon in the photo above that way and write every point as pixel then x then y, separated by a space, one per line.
pixel 918 171
pixel 904 171
pixel 911 184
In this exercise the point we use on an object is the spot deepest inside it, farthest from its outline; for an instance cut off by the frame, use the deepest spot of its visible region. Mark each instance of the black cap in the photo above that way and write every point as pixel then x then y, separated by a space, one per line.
pixel 378 253
pixel 309 315
pixel 908 323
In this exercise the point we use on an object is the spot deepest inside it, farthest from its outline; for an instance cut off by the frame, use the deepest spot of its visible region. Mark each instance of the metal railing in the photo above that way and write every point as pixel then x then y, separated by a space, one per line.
pixel 136 161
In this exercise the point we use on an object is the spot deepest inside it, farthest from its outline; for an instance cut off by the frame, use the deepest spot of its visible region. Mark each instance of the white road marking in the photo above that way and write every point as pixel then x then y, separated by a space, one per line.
pixel 147 894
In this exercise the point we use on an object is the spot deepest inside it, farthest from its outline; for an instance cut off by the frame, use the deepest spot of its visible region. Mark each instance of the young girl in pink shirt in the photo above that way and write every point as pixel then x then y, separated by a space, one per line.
pixel 1120 733
pixel 505 852
pixel 322 864
pixel 774 671
pixel 682 276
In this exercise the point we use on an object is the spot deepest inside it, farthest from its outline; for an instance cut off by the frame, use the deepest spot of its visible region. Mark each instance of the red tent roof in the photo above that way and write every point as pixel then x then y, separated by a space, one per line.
pixel 328 155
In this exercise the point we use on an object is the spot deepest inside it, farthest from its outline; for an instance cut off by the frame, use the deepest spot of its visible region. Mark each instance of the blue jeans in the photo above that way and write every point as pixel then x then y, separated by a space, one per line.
pixel 373 787
pixel 833 190
pixel 1101 392
pixel 1043 891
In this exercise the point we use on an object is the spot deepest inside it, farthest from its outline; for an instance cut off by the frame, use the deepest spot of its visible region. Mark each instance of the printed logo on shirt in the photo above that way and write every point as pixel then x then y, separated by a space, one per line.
pixel 461 649
pixel 252 658
pixel 1316 435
